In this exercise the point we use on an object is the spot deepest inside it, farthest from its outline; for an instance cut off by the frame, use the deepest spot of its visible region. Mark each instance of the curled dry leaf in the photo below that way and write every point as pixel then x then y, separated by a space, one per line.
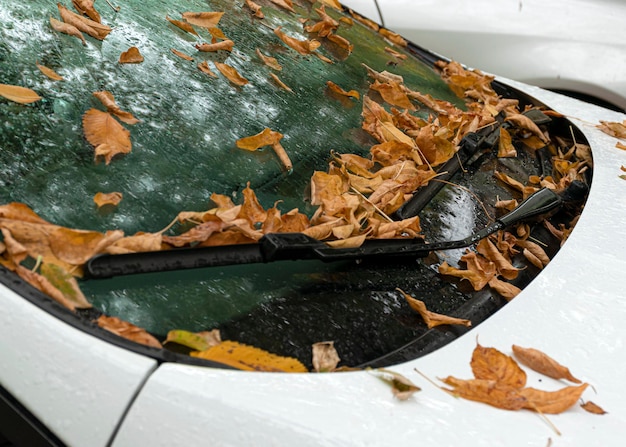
pixel 339 91
pixel 231 74
pixel 65 283
pixel 249 358
pixel 432 319
pixel 615 129
pixel 256 9
pixel 506 289
pixel 303 47
pixel 269 61
pixel 108 100
pixel 543 363
pixel 333 4
pixel 107 199
pixel 42 284
pixel 280 83
pixel 106 134
pixel 18 94
pixel 486 391
pixel 393 37
pixel 401 387
pixel 491 364
pixel 204 68
pixel 131 56
pixel 325 357
pixel 90 27
pixel 225 45
pixel 66 28
pixel 49 72
pixel 182 55
pixel 185 26
pixel 198 341
pixel 86 7
pixel 592 408
pixel 285 4
pixel 128 331
pixel 203 19
pixel 266 137
pixel 552 402
pixel 505 144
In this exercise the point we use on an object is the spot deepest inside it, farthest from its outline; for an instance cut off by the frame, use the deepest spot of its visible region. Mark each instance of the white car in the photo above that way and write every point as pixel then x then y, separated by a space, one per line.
pixel 578 48
pixel 65 381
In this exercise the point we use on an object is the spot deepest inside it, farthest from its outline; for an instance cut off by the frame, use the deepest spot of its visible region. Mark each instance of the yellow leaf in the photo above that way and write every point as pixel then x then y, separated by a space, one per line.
pixel 65 283
pixel 199 341
pixel 249 358
pixel 18 94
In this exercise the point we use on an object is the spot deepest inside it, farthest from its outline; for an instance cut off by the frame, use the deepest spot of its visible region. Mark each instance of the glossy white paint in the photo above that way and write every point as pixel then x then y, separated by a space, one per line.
pixel 77 385
pixel 574 311
pixel 577 45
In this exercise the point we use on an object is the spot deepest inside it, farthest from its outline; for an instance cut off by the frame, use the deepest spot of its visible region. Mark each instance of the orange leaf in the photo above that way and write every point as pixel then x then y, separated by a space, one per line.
pixel 266 137
pixel 256 9
pixel 18 94
pixel 66 28
pixel 303 47
pixel 341 42
pixel 128 331
pixel 592 408
pixel 285 4
pixel 249 358
pixel 338 90
pixel 552 402
pixel 103 199
pixel 393 94
pixel 269 61
pixel 182 25
pixel 617 130
pixel 106 134
pixel 108 101
pixel 505 144
pixel 506 289
pixel 526 123
pixel 231 74
pixel 86 7
pixel 204 68
pixel 203 19
pixel 393 37
pixel 491 364
pixel 90 27
pixel 49 72
pixel 542 363
pixel 225 45
pixel 280 83
pixel 432 319
pixel 486 248
pixel 181 54
pixel 486 391
pixel 131 56
pixel 41 283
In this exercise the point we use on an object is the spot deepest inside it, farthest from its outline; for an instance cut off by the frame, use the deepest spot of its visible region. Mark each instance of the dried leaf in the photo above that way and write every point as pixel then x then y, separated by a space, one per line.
pixel 506 289
pixel 432 319
pixel 615 129
pixel 182 55
pixel 393 37
pixel 401 387
pixel 393 93
pixel 526 123
pixel 108 101
pixel 249 358
pixel 198 341
pixel 339 91
pixel 107 199
pixel 486 391
pixel 491 364
pixel 285 4
pixel 225 45
pixel 204 68
pixel 185 26
pixel 341 42
pixel 106 134
pixel 66 28
pixel 504 268
pixel 269 61
pixel 18 94
pixel 86 7
pixel 231 74
pixel 505 144
pixel 90 27
pixel 42 284
pixel 280 83
pixel 620 145
pixel 49 72
pixel 203 19
pixel 128 331
pixel 552 402
pixel 325 357
pixel 266 137
pixel 131 56
pixel 66 284
pixel 256 9
pixel 303 47
pixel 542 363
pixel 592 408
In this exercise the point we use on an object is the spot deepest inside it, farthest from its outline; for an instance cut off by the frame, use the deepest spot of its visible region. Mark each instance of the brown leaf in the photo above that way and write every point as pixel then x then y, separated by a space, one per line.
pixel 393 37
pixel 542 363
pixel 266 137
pixel 203 19
pixel 90 27
pixel 490 392
pixel 341 42
pixel 66 284
pixel 506 289
pixel 505 144
pixel 285 4
pixel 18 94
pixel 107 199
pixel 256 9
pixel 231 74
pixel 41 283
pixel 86 7
pixel 138 242
pixel 204 68
pixel 526 123
pixel 393 94
pixel 131 56
pixel 185 26
pixel 225 45
pixel 49 72
pixel 106 134
pixel 552 402
pixel 128 331
pixel 339 91
pixel 269 61
pixel 432 319
pixel 504 268
pixel 401 387
pixel 325 357
pixel 182 55
pixel 249 358
pixel 108 101
pixel 280 83
pixel 592 408
pixel 303 47
pixel 615 129
pixel 491 364
pixel 66 28
pixel 77 246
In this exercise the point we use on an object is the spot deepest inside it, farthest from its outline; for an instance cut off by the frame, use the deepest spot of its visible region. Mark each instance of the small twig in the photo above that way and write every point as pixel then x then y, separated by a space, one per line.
pixel 37 263
pixel 381 212
pixel 114 8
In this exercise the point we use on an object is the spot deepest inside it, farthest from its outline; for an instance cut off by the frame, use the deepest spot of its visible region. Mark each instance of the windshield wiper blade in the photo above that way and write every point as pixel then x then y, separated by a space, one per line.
pixel 298 246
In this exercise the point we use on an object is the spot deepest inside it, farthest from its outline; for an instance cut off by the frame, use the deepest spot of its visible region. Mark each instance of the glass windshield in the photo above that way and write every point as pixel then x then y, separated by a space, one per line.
pixel 184 150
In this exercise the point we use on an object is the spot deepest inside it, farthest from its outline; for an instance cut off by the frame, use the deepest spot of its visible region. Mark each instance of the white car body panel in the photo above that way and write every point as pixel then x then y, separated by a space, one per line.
pixel 574 311
pixel 77 385
pixel 578 46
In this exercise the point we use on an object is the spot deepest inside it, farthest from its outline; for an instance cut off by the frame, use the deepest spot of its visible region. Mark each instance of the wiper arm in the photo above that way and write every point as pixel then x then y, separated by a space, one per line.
pixel 298 246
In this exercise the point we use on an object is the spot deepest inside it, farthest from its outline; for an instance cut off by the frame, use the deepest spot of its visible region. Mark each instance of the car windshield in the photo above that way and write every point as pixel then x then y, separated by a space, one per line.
pixel 165 128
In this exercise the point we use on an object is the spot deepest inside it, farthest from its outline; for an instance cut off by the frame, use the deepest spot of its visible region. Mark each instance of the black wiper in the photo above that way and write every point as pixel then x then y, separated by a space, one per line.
pixel 298 246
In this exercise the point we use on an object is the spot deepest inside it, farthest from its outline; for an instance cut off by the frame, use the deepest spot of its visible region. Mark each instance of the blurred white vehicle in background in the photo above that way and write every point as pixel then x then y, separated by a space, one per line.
pixel 573 47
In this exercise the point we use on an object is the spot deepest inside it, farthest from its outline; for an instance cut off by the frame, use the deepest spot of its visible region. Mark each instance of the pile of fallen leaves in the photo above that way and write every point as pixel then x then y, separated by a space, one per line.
pixel 355 197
